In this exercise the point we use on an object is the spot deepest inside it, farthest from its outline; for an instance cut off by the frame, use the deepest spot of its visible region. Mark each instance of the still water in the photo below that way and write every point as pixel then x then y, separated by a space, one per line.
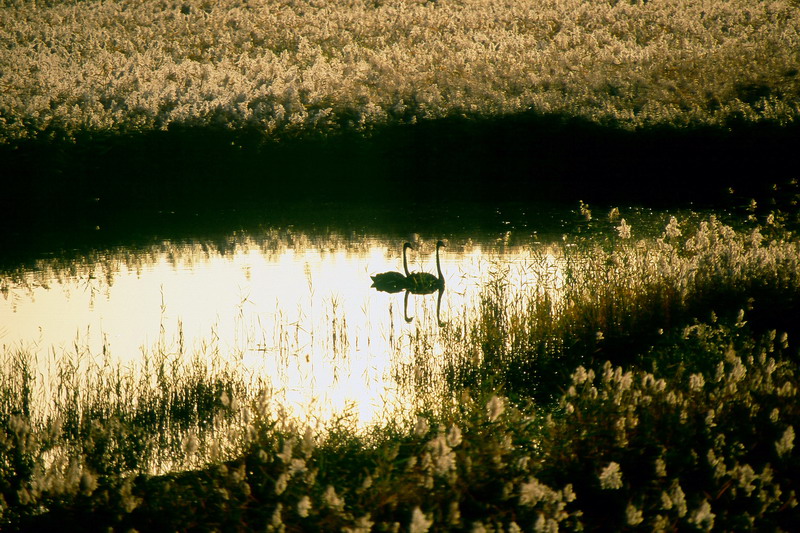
pixel 291 310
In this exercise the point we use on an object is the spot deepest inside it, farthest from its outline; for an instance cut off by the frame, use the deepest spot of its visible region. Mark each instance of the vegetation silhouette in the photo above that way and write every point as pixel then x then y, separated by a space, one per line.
pixel 103 189
pixel 173 181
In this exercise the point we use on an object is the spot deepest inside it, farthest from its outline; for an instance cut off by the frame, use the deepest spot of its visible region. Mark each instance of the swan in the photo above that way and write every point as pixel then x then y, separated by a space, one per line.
pixel 392 282
pixel 424 283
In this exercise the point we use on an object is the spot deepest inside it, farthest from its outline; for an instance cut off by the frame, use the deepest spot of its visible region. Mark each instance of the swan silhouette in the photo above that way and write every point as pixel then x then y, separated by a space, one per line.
pixel 423 282
pixel 393 282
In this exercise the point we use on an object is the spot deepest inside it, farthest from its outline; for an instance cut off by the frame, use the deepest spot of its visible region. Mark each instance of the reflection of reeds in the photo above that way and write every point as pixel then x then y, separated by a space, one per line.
pixel 689 425
pixel 105 263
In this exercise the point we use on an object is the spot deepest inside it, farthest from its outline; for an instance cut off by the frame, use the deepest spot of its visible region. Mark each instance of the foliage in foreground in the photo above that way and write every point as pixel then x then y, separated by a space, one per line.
pixel 688 428
pixel 281 67
pixel 707 444
pixel 619 295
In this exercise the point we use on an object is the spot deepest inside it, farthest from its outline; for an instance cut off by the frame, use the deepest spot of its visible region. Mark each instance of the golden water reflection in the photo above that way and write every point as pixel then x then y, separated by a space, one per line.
pixel 292 311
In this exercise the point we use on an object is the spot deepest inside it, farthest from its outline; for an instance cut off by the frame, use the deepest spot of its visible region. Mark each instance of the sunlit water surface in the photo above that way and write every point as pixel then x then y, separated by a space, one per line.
pixel 293 312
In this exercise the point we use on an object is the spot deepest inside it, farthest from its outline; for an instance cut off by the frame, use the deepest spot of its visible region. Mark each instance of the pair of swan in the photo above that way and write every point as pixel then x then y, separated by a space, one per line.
pixel 413 282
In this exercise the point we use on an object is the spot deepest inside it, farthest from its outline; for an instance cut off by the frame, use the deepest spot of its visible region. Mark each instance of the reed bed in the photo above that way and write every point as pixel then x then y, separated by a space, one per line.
pixel 617 294
pixel 282 67
pixel 655 390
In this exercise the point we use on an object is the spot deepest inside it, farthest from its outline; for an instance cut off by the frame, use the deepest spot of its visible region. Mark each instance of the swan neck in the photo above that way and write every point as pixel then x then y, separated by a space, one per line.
pixel 439 306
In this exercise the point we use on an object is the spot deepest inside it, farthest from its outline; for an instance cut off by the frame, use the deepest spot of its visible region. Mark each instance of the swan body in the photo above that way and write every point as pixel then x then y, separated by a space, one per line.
pixel 389 282
pixel 423 282
pixel 393 282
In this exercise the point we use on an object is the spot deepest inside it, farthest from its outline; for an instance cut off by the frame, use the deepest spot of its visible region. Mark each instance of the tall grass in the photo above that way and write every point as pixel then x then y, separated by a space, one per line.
pixel 93 421
pixel 282 67
pixel 682 448
pixel 620 296
pixel 651 391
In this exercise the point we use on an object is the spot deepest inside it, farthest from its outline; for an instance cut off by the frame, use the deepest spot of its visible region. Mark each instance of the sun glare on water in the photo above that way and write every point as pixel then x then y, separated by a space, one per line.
pixel 301 321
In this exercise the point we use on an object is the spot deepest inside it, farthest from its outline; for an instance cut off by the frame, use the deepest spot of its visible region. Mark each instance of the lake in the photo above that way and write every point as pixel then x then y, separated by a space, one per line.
pixel 287 308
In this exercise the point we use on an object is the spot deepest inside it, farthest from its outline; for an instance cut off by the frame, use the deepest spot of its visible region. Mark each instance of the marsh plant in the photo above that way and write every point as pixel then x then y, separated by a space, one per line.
pixel 320 66
pixel 618 295
pixel 93 422
pixel 707 444
pixel 656 390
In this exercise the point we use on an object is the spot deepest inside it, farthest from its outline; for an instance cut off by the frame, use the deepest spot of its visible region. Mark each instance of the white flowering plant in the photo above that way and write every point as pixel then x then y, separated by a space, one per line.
pixel 326 65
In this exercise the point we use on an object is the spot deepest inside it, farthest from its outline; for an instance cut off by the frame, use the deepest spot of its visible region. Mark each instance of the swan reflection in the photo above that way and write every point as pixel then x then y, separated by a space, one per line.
pixel 409 319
